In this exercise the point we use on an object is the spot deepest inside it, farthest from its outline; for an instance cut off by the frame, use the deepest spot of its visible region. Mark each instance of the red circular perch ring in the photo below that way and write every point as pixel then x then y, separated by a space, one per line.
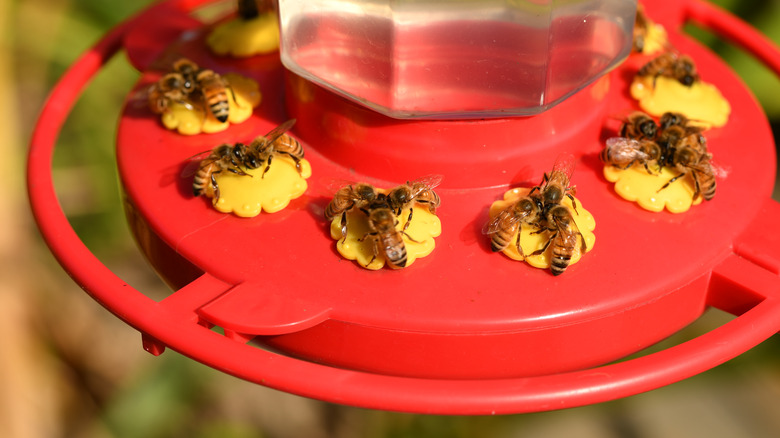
pixel 743 280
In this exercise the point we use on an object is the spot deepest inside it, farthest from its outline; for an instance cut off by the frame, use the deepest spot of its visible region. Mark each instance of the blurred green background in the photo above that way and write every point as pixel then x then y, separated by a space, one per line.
pixel 71 369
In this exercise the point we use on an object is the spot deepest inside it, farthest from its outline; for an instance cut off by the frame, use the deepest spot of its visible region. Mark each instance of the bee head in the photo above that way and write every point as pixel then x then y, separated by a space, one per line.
pixel 652 149
pixel 687 80
pixel 669 118
pixel 552 195
pixel 365 192
pixel 382 219
pixel 400 195
pixel 648 128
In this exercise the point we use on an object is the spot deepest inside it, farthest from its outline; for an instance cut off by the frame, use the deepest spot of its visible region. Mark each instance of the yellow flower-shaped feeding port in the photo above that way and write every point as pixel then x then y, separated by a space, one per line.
pixel 192 119
pixel 531 240
pixel 702 102
pixel 656 39
pixel 243 38
pixel 247 196
pixel 423 228
pixel 636 185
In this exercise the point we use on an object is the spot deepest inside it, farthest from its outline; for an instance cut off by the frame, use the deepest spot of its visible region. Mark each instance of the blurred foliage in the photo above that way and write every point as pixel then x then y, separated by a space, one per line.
pixel 176 397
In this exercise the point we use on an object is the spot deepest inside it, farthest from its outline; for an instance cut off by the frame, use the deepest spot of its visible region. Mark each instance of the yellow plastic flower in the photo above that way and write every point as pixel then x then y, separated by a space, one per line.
pixel 423 228
pixel 636 185
pixel 243 38
pixel 531 240
pixel 701 102
pixel 246 196
pixel 192 119
pixel 656 39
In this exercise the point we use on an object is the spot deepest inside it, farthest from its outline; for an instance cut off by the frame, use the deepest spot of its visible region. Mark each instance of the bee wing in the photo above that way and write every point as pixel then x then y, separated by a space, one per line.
pixel 279 131
pixel 494 224
pixel 429 181
pixel 335 185
pixel 622 148
pixel 718 170
pixel 565 164
pixel 504 216
pixel 567 229
pixel 194 163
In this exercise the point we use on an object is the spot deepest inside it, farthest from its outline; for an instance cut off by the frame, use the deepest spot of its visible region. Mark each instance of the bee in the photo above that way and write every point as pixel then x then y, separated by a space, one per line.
pixel 176 87
pixel 638 126
pixel 624 152
pixel 689 156
pixel 387 239
pixel 641 26
pixel 419 191
pixel 239 157
pixel 348 197
pixel 564 238
pixel 555 185
pixel 213 89
pixel 224 157
pixel 263 148
pixel 525 210
pixel 672 65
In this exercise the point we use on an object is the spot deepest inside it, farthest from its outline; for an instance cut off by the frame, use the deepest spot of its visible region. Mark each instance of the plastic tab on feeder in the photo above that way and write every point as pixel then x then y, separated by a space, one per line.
pixel 455 59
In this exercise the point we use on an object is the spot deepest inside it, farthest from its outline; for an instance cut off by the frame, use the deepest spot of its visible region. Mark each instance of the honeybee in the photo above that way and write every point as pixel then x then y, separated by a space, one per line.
pixel 224 157
pixel 672 65
pixel 555 185
pixel 213 89
pixel 351 196
pixel 238 157
pixel 689 156
pixel 419 191
pixel 387 239
pixel 641 26
pixel 173 87
pixel 263 148
pixel 564 238
pixel 525 210
pixel 638 126
pixel 623 152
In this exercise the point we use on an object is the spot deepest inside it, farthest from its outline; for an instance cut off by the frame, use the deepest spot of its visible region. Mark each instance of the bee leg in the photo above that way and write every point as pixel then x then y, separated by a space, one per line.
pixel 573 203
pixel 297 163
pixel 344 226
pixel 372 234
pixel 517 243
pixel 408 220
pixel 238 171
pixel 546 245
pixel 215 187
pixel 410 237
pixel 267 165
pixel 233 95
pixel 671 181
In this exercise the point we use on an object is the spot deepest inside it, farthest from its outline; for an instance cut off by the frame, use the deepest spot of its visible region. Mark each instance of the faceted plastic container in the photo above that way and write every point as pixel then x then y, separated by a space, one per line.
pixel 451 59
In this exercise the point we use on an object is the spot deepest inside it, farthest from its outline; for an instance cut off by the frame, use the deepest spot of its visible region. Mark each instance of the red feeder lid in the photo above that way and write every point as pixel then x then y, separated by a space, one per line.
pixel 462 331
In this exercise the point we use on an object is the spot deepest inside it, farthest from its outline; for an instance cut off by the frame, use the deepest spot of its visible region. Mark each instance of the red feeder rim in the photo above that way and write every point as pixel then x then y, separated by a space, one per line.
pixel 457 353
